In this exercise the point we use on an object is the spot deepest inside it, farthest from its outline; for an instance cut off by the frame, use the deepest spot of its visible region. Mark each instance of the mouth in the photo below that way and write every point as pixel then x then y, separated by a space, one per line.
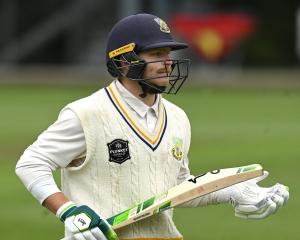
pixel 163 73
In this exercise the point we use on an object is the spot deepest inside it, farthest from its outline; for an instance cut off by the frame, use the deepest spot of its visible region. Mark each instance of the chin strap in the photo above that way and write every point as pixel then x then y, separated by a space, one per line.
pixel 149 88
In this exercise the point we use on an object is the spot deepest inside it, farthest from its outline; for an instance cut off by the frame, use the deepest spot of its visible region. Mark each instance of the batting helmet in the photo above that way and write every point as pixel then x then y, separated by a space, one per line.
pixel 138 33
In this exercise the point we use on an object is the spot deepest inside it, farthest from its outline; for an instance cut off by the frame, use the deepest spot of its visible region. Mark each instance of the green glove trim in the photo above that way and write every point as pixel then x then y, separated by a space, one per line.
pixel 66 213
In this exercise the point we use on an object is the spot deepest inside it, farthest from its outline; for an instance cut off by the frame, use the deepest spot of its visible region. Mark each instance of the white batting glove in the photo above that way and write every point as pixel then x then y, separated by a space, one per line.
pixel 251 201
pixel 84 224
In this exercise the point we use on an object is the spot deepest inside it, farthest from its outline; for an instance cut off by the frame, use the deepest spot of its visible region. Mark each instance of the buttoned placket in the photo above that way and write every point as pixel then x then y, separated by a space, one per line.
pixel 151 119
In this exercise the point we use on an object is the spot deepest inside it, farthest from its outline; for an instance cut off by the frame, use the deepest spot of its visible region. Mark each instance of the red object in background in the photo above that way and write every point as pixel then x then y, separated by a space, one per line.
pixel 213 36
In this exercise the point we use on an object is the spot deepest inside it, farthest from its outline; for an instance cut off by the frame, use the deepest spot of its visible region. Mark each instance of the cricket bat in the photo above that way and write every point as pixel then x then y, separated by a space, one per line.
pixel 190 189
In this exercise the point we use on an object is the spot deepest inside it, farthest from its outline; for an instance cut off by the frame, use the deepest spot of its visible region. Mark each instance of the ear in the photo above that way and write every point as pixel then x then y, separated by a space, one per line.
pixel 112 69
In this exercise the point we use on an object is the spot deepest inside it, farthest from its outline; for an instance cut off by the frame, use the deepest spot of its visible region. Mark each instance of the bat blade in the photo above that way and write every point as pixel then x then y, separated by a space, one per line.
pixel 194 187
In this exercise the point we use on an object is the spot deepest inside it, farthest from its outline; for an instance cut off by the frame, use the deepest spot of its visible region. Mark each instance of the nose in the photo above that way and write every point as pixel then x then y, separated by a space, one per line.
pixel 168 65
pixel 168 61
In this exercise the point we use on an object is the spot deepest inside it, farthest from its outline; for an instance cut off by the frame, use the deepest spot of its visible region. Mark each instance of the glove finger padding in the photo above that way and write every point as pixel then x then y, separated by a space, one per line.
pixel 278 200
pixel 88 235
pixel 93 234
pixel 270 209
pixel 267 209
pixel 251 208
pixel 98 234
pixel 281 190
pixel 78 236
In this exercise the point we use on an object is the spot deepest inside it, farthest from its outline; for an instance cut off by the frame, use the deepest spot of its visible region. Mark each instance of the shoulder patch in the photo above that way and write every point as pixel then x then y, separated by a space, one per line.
pixel 177 148
pixel 118 151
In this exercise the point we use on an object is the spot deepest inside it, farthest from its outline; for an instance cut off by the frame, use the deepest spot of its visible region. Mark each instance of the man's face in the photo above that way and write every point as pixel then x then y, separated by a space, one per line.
pixel 159 65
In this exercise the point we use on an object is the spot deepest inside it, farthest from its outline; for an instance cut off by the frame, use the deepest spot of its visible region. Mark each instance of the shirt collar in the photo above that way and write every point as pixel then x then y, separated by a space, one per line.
pixel 136 104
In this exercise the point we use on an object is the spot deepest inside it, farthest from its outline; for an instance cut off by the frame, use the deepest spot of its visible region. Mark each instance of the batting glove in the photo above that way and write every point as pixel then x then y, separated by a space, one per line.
pixel 84 224
pixel 251 201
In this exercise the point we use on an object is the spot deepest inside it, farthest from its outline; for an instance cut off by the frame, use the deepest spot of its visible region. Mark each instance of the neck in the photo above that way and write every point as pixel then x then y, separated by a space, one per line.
pixel 135 89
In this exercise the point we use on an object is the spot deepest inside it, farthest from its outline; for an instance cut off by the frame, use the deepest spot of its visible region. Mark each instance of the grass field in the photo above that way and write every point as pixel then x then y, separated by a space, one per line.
pixel 230 127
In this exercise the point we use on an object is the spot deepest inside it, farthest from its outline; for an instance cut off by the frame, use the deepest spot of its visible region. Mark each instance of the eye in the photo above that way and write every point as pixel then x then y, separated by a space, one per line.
pixel 157 53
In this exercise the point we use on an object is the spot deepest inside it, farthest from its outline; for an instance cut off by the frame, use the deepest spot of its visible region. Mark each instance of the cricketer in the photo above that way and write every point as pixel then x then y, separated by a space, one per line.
pixel 126 143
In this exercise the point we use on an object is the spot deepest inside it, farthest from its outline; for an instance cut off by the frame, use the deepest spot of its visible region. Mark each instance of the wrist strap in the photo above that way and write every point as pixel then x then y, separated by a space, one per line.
pixel 64 210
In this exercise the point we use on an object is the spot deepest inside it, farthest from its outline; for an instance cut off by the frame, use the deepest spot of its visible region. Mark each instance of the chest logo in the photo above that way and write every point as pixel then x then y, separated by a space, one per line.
pixel 118 151
pixel 177 148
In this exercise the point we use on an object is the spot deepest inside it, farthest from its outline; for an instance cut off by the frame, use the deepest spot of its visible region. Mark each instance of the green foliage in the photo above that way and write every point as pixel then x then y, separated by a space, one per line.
pixel 229 128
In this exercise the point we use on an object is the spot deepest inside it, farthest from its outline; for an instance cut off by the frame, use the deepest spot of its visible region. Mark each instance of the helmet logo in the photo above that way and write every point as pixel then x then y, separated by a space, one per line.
pixel 162 24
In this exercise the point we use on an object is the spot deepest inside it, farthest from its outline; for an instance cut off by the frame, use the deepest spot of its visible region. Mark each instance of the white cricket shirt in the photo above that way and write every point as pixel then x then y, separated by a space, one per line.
pixel 64 141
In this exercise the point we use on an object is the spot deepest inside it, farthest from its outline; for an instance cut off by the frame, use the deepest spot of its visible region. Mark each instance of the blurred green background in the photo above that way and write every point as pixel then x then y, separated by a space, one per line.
pixel 230 127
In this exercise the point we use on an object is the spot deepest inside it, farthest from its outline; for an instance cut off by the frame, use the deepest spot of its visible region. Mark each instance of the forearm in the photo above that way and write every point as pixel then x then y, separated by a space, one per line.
pixel 55 201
